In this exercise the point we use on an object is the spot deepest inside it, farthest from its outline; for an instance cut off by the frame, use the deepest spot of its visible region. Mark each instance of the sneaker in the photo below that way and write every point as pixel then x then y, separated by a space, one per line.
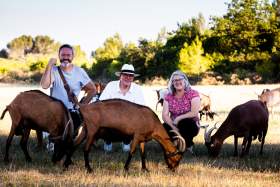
pixel 125 147
pixel 108 147
pixel 190 149
pixel 50 147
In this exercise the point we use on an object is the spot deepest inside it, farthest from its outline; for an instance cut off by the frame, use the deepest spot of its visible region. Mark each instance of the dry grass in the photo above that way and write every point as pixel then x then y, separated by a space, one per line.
pixel 198 170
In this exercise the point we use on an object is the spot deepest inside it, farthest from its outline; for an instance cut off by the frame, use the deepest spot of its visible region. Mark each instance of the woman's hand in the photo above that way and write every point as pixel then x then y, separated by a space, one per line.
pixel 176 121
pixel 175 128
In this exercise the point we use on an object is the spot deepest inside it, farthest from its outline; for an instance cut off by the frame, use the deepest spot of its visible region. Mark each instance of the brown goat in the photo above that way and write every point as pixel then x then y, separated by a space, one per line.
pixel 36 110
pixel 248 120
pixel 271 98
pixel 138 122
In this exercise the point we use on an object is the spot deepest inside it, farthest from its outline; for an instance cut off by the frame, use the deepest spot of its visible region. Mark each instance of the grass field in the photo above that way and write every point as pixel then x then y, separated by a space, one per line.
pixel 199 170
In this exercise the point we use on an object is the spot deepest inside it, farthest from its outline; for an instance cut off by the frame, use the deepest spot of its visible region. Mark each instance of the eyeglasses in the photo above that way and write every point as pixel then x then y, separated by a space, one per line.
pixel 177 80
pixel 127 75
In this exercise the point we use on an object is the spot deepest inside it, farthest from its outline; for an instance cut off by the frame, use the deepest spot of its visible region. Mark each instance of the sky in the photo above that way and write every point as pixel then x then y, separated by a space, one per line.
pixel 89 22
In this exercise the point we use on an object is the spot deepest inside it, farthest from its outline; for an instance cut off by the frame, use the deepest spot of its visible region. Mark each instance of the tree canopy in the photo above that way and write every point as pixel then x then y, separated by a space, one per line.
pixel 245 41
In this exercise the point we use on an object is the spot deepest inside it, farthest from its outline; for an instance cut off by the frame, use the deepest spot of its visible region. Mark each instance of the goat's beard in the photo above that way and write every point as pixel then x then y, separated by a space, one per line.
pixel 65 63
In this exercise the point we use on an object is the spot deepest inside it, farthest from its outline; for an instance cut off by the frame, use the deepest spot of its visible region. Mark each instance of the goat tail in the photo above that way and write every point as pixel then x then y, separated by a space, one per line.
pixel 4 112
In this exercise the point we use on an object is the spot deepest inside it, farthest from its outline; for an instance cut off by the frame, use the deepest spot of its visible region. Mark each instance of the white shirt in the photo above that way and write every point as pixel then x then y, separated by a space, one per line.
pixel 134 94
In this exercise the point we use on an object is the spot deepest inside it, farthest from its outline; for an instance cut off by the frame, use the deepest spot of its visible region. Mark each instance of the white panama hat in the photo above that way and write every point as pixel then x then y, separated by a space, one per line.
pixel 127 69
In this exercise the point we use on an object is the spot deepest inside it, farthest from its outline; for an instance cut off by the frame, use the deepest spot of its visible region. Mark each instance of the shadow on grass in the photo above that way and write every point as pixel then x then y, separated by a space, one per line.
pixel 114 161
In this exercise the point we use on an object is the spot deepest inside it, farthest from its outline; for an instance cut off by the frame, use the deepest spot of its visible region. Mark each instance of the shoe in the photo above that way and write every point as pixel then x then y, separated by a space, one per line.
pixel 50 147
pixel 108 147
pixel 190 149
pixel 125 147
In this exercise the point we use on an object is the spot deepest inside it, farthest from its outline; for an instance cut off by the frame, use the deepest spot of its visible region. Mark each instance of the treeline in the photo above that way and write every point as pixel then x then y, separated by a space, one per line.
pixel 241 47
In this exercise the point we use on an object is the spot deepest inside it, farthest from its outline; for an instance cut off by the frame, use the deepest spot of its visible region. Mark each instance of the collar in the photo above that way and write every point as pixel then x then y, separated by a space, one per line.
pixel 130 89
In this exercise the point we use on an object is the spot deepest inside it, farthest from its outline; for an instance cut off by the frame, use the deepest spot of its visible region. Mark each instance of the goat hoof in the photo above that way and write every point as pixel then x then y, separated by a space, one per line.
pixel 6 160
pixel 126 169
pixel 145 170
pixel 68 163
pixel 71 162
pixel 89 170
pixel 65 169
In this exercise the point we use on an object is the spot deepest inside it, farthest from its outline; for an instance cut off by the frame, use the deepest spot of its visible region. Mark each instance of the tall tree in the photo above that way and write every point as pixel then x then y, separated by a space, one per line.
pixel 192 60
pixel 20 46
pixel 238 30
pixel 106 57
pixel 111 48
pixel 43 45
pixel 167 58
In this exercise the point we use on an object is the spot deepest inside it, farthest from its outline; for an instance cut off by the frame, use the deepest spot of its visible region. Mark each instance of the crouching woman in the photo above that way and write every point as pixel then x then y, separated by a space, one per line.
pixel 181 108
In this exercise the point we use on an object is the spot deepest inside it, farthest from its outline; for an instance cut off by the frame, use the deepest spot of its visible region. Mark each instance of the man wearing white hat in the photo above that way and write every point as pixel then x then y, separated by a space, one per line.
pixel 124 88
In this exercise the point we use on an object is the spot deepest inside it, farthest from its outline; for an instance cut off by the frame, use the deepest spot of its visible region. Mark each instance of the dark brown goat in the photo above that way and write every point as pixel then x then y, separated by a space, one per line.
pixel 36 110
pixel 205 107
pixel 271 98
pixel 248 120
pixel 138 122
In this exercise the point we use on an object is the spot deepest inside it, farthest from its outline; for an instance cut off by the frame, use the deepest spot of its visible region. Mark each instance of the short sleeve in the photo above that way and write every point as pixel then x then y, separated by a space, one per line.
pixel 84 77
pixel 193 94
pixel 168 97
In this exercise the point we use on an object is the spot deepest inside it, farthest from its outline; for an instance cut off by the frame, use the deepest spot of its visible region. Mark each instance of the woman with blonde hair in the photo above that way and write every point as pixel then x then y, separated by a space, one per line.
pixel 181 108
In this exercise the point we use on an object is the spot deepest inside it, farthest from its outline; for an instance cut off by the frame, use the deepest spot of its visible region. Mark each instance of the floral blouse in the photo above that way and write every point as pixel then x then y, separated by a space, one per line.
pixel 179 106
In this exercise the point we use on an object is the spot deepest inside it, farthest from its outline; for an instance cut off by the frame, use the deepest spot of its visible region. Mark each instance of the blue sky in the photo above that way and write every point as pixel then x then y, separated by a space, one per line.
pixel 89 22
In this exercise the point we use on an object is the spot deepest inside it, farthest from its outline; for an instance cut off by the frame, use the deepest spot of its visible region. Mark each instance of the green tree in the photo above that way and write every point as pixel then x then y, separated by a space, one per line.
pixel 192 60
pixel 167 58
pixel 105 57
pixel 44 45
pixel 111 48
pixel 238 31
pixel 20 46
pixel 141 56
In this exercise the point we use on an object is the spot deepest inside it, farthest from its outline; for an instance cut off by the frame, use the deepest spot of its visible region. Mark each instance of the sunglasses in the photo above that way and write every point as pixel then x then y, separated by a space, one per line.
pixel 127 75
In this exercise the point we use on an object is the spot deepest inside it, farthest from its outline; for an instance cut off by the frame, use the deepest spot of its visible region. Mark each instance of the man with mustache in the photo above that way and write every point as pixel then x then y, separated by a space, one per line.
pixel 76 78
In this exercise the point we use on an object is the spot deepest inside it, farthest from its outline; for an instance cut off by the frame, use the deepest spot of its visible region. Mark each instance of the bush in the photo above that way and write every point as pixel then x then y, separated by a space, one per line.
pixel 38 66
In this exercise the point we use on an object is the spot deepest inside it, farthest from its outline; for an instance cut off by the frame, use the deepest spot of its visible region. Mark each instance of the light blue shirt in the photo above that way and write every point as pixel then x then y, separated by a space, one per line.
pixel 77 78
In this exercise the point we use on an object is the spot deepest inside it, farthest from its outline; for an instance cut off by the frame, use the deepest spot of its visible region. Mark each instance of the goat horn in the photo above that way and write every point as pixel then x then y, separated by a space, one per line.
pixel 65 130
pixel 176 132
pixel 207 134
pixel 68 125
pixel 182 143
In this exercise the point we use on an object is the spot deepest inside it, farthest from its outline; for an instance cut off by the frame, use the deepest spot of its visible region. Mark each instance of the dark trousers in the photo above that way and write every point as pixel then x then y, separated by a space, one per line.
pixel 187 128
